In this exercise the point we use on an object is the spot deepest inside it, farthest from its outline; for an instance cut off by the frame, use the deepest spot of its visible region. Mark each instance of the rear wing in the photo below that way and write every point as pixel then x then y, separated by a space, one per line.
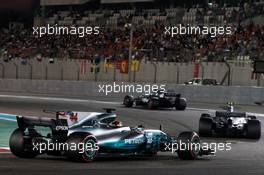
pixel 53 124
pixel 229 114
pixel 172 94
pixel 58 126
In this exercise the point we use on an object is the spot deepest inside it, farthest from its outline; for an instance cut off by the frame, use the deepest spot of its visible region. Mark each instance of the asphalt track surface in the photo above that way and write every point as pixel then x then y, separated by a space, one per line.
pixel 245 157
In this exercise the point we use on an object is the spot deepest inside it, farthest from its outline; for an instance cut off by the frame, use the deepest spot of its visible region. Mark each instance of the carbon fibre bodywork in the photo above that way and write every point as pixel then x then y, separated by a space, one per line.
pixel 121 139
pixel 157 100
pixel 99 134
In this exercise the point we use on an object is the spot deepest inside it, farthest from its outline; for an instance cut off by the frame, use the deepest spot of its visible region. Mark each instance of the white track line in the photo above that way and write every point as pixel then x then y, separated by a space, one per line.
pixel 201 109
pixel 56 99
pixel 6 119
pixel 5 150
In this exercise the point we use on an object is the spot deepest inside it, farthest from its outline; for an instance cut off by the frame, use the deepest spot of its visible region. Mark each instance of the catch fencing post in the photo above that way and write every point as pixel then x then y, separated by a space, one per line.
pixel 31 70
pixel 16 70
pixel 78 70
pixel 155 71
pixel 178 73
pixel 228 74
pixel 46 72
pixel 3 70
pixel 114 78
pixel 61 72
pixel 202 68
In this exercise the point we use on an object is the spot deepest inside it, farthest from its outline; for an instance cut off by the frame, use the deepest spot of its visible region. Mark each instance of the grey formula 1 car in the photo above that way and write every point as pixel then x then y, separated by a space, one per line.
pixel 231 124
pixel 100 134
pixel 157 100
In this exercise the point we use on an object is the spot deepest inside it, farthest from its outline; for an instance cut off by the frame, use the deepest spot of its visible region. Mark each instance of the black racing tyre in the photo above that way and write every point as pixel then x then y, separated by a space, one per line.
pixel 253 130
pixel 205 127
pixel 205 115
pixel 180 104
pixel 188 145
pixel 81 154
pixel 151 104
pixel 150 154
pixel 128 101
pixel 19 146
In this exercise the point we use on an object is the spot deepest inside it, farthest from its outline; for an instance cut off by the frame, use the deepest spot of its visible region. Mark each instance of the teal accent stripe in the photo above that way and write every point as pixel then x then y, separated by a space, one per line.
pixel 8 117
pixel 7 125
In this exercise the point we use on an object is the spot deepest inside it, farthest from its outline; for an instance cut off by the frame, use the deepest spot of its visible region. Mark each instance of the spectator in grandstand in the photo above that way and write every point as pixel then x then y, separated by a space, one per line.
pixel 148 42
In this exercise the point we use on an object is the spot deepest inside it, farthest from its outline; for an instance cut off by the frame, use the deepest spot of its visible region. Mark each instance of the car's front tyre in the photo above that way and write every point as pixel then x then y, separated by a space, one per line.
pixel 87 148
pixel 205 126
pixel 188 145
pixel 180 104
pixel 128 101
pixel 253 130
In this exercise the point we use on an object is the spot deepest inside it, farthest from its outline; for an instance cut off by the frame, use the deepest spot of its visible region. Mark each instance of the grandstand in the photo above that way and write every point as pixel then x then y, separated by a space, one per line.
pixel 149 43
pixel 62 2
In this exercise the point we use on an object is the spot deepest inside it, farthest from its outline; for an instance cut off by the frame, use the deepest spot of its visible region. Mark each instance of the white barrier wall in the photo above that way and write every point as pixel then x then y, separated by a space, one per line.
pixel 2 73
pixel 104 74
pixel 214 70
pixel 185 72
pixel 10 70
pixel 70 71
pixel 39 71
pixel 146 72
pixel 240 73
pixel 167 72
pixel 24 71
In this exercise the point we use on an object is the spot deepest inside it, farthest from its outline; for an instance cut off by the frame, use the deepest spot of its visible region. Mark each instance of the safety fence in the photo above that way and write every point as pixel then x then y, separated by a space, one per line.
pixel 236 73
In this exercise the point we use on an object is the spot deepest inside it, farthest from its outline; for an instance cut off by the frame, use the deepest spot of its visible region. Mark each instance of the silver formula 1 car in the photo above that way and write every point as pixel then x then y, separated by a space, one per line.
pixel 96 135
pixel 230 124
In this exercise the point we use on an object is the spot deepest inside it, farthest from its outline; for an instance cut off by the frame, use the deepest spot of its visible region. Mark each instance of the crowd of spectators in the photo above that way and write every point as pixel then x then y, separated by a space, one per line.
pixel 149 43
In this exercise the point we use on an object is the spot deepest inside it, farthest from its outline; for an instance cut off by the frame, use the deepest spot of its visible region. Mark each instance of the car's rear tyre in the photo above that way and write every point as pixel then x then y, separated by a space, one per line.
pixel 205 126
pixel 19 146
pixel 180 104
pixel 205 115
pixel 188 146
pixel 81 154
pixel 128 101
pixel 253 130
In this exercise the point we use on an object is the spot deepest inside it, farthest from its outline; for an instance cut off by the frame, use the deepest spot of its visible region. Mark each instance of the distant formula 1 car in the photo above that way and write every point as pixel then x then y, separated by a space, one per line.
pixel 101 132
pixel 231 124
pixel 157 100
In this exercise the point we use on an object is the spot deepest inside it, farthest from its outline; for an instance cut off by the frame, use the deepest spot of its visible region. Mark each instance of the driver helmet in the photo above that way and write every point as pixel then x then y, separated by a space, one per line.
pixel 116 123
